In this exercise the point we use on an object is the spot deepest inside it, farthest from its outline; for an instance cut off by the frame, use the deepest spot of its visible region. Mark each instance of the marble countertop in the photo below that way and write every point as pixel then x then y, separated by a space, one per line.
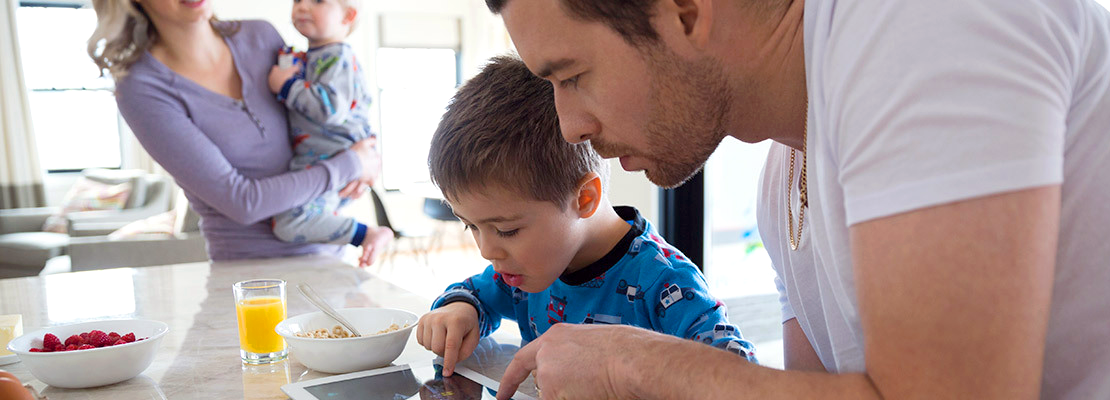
pixel 199 357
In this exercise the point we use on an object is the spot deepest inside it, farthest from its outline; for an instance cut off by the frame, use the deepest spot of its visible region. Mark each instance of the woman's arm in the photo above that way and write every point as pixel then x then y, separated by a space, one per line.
pixel 165 130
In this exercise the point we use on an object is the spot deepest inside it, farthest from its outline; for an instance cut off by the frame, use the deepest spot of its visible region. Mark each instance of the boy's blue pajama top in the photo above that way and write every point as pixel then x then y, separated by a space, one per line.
pixel 642 281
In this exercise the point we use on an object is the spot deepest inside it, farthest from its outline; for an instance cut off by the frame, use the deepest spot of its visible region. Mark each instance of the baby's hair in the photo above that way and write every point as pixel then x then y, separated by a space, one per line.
pixel 501 129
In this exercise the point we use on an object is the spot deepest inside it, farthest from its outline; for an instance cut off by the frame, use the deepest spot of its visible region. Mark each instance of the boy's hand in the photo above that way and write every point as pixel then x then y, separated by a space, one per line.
pixel 451 332
pixel 279 75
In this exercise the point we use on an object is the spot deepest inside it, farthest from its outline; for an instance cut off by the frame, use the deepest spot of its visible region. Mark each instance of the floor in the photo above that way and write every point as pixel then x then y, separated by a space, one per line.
pixel 757 315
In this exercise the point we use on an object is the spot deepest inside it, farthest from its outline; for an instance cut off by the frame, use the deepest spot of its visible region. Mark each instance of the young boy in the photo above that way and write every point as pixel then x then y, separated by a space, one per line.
pixel 538 209
pixel 328 108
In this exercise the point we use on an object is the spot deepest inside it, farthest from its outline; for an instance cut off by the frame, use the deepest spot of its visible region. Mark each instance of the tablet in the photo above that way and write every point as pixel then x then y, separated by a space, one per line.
pixel 410 381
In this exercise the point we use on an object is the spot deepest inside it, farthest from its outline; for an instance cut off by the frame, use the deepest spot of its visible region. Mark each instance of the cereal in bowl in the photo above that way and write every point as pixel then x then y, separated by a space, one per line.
pixel 336 332
pixel 391 328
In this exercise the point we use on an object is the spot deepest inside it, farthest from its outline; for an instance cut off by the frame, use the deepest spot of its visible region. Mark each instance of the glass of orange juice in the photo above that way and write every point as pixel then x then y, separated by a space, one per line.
pixel 259 306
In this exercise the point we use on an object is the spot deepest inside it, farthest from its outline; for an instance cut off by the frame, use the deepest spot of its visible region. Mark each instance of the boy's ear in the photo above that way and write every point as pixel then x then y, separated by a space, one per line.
pixel 589 195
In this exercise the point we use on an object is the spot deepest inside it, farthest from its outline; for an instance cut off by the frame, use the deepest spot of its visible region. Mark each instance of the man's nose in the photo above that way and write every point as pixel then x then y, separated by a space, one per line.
pixel 575 121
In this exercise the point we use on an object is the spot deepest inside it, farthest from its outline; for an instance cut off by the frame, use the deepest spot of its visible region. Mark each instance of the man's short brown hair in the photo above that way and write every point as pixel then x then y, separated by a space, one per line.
pixel 501 129
pixel 630 18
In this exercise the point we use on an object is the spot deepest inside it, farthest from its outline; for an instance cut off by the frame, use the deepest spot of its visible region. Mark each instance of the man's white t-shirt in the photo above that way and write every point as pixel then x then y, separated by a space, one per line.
pixel 917 104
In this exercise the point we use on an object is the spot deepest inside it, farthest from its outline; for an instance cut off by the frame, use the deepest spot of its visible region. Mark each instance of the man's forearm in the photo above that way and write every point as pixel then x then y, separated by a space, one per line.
pixel 674 368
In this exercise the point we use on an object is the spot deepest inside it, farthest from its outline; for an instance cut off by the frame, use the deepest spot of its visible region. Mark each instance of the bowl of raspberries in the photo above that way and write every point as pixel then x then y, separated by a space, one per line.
pixel 89 354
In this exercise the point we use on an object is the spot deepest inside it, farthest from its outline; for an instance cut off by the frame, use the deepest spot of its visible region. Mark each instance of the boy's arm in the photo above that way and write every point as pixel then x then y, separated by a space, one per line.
pixel 682 306
pixel 328 89
pixel 487 293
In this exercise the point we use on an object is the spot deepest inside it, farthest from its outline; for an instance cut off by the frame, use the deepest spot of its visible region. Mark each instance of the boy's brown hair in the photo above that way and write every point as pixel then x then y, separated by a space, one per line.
pixel 501 129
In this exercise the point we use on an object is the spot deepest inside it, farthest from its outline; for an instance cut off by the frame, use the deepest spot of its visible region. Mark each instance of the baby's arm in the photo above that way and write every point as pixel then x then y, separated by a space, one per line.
pixel 682 306
pixel 463 314
pixel 328 90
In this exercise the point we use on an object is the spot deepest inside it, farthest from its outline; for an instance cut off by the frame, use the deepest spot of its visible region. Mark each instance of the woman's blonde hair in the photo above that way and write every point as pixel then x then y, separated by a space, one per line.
pixel 124 32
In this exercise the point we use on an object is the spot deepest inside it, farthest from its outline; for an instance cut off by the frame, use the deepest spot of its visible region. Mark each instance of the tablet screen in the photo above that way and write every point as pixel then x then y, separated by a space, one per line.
pixel 425 382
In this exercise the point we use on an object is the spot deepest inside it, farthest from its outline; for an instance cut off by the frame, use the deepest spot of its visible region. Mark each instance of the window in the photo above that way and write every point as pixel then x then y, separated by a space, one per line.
pixel 415 85
pixel 418 69
pixel 72 108
pixel 736 264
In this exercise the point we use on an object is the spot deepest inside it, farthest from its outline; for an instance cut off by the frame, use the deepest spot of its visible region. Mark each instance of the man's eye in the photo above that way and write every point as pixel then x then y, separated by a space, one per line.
pixel 572 81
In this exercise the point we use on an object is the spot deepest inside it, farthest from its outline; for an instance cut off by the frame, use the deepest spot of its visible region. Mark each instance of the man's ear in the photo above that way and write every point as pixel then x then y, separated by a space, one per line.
pixel 589 195
pixel 695 17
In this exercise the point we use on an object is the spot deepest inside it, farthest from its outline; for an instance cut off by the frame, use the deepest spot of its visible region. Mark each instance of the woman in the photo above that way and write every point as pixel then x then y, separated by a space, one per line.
pixel 194 90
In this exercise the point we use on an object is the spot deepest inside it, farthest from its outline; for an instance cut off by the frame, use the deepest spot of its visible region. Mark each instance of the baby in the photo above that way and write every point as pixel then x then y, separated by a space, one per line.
pixel 328 109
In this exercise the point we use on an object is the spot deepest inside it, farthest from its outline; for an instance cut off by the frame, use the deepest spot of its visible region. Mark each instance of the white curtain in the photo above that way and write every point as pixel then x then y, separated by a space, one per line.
pixel 21 177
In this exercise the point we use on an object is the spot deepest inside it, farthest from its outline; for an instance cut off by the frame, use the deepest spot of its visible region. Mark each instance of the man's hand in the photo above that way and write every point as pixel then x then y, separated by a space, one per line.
pixel 579 361
pixel 279 75
pixel 451 331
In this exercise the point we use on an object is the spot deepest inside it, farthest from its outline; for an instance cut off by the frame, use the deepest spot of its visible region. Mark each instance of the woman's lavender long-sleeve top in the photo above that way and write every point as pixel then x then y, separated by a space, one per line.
pixel 230 156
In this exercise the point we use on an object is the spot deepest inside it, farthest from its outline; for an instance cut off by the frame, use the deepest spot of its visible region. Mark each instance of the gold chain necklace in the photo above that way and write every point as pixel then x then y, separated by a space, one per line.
pixel 802 193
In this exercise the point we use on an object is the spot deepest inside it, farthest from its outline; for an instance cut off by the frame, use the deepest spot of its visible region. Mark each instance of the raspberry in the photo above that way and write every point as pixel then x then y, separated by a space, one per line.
pixel 60 347
pixel 130 337
pixel 50 341
pixel 85 335
pixel 72 347
pixel 74 339
pixel 85 347
pixel 118 342
pixel 113 336
pixel 99 339
pixel 35 350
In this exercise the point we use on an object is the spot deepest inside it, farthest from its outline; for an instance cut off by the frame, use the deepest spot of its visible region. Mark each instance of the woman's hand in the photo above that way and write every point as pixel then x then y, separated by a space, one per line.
pixel 367 151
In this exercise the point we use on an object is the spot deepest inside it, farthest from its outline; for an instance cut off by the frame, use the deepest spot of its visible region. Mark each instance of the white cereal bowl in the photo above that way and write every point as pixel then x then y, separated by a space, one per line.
pixel 338 356
pixel 93 367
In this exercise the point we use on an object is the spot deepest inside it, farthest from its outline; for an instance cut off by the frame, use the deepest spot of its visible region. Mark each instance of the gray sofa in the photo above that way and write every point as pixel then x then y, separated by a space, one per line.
pixel 25 248
pixel 100 252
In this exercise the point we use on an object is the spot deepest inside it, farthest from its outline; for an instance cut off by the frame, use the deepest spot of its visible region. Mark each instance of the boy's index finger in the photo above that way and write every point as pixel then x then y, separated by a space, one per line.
pixel 524 362
pixel 451 349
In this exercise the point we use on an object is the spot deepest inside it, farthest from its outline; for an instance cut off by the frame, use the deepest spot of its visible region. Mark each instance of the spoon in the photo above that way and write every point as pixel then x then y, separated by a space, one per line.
pixel 310 295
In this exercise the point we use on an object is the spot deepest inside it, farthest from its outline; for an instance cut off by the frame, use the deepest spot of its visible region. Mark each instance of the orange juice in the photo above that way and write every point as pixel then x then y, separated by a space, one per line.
pixel 257 318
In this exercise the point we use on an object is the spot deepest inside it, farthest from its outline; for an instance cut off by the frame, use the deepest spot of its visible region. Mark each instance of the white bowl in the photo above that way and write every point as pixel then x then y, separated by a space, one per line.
pixel 338 356
pixel 92 367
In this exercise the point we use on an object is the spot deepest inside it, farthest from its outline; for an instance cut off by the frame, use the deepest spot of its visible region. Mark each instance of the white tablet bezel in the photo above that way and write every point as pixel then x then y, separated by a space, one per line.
pixel 296 390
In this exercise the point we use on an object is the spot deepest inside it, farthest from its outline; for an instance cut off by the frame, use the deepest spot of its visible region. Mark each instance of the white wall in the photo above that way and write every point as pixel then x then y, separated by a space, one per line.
pixel 633 189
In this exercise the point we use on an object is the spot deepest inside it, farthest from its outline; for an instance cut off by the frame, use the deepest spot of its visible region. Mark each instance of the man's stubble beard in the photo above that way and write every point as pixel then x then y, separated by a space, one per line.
pixel 689 104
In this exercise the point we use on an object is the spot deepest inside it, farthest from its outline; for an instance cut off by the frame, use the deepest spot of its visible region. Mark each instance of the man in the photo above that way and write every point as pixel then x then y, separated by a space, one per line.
pixel 942 237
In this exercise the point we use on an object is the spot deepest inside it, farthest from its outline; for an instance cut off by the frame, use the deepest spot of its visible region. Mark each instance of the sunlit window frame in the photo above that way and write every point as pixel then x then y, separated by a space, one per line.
pixel 73 4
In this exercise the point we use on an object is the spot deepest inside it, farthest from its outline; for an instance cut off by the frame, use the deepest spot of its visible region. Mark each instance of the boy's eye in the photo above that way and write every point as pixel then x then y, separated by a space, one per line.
pixel 508 233
pixel 572 81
